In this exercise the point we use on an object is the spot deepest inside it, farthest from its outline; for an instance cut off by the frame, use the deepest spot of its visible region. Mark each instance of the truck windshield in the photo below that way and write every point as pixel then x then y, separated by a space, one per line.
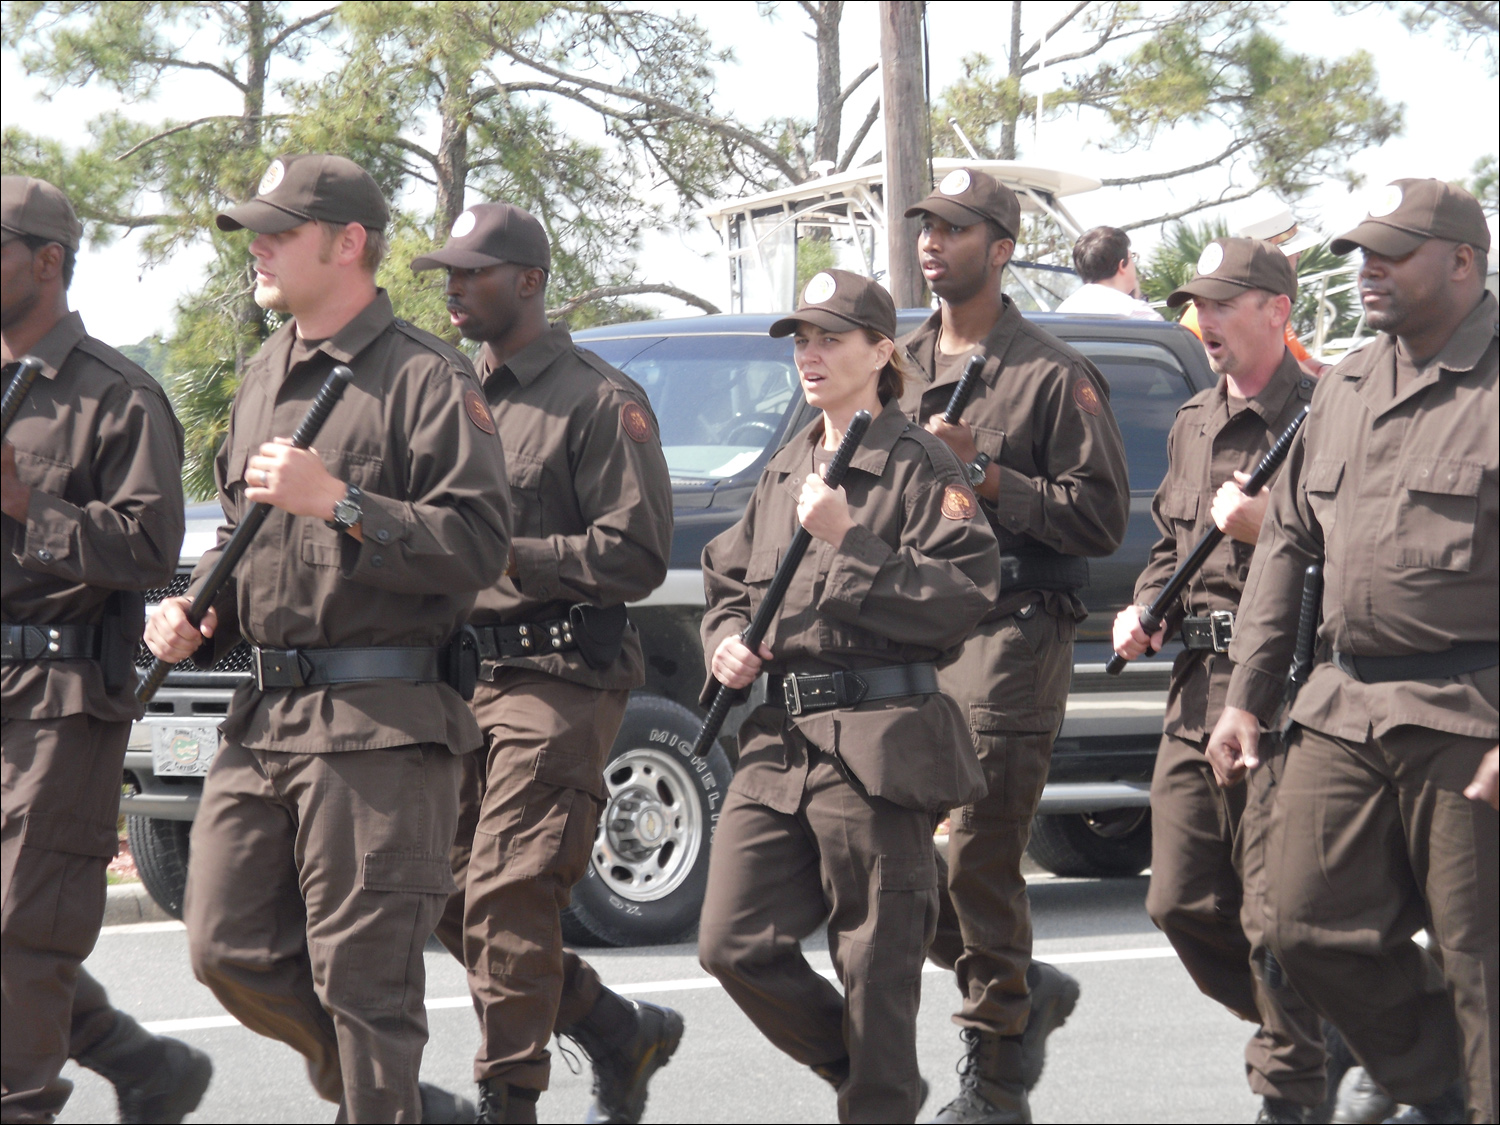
pixel 723 400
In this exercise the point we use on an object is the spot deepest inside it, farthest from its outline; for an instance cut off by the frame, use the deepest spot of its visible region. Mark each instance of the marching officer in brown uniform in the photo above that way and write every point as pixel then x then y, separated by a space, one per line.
pixel 1394 487
pixel 1045 457
pixel 1243 293
pixel 830 813
pixel 592 522
pixel 92 476
pixel 320 852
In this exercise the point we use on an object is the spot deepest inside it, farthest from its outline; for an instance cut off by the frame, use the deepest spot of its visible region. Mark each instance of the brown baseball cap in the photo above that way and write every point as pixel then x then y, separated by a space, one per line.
pixel 491 234
pixel 966 195
pixel 841 301
pixel 306 187
pixel 1231 266
pixel 1406 213
pixel 33 207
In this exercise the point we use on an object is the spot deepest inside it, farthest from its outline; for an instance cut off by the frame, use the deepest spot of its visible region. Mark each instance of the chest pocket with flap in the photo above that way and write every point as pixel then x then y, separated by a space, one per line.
pixel 526 475
pixel 1437 507
pixel 1324 477
pixel 1179 505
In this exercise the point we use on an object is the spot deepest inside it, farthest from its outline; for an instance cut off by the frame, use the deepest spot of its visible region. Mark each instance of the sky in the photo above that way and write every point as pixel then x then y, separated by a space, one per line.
pixel 1451 105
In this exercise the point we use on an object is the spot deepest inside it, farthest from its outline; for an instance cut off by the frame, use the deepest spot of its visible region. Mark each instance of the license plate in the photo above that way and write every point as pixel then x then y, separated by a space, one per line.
pixel 183 749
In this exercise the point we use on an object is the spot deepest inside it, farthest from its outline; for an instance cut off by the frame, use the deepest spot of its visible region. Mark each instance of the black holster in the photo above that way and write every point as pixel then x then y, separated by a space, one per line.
pixel 461 662
pixel 119 633
pixel 599 633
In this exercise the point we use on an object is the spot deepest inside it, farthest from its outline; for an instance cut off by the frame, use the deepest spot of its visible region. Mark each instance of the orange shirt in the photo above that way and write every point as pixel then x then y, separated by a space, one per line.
pixel 1189 320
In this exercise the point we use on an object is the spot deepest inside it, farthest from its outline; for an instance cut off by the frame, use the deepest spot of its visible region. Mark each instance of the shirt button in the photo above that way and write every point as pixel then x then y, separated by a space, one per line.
pixel 377 560
pixel 44 554
pixel 383 535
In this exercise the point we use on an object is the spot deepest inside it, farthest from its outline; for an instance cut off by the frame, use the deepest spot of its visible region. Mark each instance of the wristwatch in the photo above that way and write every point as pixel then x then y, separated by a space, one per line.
pixel 977 469
pixel 347 512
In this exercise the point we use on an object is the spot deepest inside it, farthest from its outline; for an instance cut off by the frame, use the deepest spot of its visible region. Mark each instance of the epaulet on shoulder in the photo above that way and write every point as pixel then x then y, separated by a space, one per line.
pixel 940 458
pixel 133 373
pixel 1196 401
pixel 431 343
pixel 613 376
pixel 1060 348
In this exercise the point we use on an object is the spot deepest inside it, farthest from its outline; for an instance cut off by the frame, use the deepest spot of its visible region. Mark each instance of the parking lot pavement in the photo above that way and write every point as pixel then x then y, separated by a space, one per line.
pixel 1144 1044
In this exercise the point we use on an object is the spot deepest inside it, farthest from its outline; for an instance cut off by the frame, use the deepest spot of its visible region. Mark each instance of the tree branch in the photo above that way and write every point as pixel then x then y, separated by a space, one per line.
pixel 292 28
pixel 859 135
pixel 1152 177
pixel 1053 30
pixel 164 63
pixel 605 291
pixel 193 125
pixel 839 101
pixel 1186 211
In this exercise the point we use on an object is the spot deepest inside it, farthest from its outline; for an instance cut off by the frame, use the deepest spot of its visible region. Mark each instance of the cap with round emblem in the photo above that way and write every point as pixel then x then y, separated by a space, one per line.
pixel 1228 267
pixel 491 234
pixel 34 208
pixel 1406 213
pixel 841 301
pixel 308 187
pixel 966 196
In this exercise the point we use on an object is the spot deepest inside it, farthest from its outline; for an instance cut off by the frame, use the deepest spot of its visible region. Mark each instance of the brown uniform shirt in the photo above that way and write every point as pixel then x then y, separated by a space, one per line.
pixel 908 584
pixel 1042 414
pixel 1211 437
pixel 1398 495
pixel 102 451
pixel 412 431
pixel 591 500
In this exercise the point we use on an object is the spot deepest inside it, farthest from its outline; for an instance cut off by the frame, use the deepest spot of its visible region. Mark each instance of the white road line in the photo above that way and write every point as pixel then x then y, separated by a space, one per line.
pixel 688 984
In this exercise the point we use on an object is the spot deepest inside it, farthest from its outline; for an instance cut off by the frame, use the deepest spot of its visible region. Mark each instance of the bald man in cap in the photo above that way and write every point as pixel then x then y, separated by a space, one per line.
pixel 1207 841
pixel 92 474
pixel 320 850
pixel 1394 488
pixel 593 520
pixel 1044 455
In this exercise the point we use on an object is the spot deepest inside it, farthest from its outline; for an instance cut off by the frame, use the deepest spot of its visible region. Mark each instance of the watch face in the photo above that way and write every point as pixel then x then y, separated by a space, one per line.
pixel 346 512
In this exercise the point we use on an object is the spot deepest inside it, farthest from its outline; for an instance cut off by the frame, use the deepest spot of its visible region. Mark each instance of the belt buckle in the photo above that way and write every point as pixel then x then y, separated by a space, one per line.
pixel 256 656
pixel 791 695
pixel 1221 629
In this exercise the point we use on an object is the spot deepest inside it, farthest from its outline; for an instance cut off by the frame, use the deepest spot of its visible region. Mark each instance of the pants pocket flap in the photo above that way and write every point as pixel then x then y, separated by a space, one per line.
pixel 403 871
pixel 62 832
pixel 908 873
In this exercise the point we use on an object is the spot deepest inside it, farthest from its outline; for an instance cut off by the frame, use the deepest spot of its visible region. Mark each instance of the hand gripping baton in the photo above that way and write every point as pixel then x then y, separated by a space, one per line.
pixel 20 387
pixel 967 384
pixel 1152 615
pixel 755 632
pixel 331 391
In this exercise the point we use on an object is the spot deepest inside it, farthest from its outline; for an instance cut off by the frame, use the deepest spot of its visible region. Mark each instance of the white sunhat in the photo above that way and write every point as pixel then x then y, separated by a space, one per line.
pixel 1273 221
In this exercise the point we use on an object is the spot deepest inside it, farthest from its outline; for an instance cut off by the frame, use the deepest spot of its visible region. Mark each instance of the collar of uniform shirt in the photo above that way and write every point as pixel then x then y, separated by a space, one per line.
pixel 343 345
pixel 872 454
pixel 1272 398
pixel 531 360
pixel 54 348
pixel 1467 345
pixel 923 345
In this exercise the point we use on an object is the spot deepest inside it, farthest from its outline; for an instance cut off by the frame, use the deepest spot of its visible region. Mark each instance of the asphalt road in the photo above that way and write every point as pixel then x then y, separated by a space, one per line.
pixel 1144 1044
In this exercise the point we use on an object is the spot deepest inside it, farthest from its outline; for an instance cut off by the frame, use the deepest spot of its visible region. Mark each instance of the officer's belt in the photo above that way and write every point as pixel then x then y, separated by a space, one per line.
pixel 50 642
pixel 301 667
pixel 506 642
pixel 1043 572
pixel 1210 633
pixel 825 691
pixel 1473 656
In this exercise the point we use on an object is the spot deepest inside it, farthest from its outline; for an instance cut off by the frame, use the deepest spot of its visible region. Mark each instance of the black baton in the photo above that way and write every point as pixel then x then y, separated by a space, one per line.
pixel 331 391
pixel 1152 615
pixel 755 632
pixel 1307 631
pixel 19 388
pixel 968 383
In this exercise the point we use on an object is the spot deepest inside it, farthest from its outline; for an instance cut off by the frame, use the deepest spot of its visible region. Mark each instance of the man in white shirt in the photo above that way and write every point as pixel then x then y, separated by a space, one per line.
pixel 1103 259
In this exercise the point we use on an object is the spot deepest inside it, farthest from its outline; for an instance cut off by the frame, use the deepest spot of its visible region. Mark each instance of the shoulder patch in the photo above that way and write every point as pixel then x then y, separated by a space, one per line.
pixel 478 411
pixel 1084 395
pixel 635 422
pixel 959 503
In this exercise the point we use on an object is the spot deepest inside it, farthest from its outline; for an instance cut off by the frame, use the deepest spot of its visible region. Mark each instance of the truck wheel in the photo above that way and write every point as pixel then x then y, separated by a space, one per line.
pixel 1108 844
pixel 160 850
pixel 650 862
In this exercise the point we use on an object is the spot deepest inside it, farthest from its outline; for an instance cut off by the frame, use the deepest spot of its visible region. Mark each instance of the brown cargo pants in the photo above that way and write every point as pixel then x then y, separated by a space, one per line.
pixel 527 820
pixel 864 865
pixel 1369 843
pixel 315 882
pixel 1207 867
pixel 1013 677
pixel 61 788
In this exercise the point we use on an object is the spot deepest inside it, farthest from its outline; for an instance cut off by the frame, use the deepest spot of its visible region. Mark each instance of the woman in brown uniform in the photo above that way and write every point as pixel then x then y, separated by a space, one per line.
pixel 842 769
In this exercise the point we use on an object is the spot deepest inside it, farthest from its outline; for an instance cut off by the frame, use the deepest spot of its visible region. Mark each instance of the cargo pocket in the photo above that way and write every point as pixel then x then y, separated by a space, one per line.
pixel 905 918
pixel 1322 487
pixel 1436 512
pixel 407 873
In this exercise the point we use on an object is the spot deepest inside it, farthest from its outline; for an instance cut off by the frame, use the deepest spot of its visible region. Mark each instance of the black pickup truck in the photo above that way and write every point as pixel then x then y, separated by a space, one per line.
pixel 727 397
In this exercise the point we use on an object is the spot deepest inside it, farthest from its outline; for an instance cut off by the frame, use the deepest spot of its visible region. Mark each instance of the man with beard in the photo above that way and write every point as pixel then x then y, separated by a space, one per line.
pixel 1045 458
pixel 1394 487
pixel 592 506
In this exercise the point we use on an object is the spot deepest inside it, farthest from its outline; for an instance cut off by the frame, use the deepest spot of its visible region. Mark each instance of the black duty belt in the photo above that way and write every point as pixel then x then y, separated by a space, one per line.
pixel 50 642
pixel 505 642
pixel 304 667
pixel 1459 660
pixel 1043 572
pixel 825 691
pixel 1210 633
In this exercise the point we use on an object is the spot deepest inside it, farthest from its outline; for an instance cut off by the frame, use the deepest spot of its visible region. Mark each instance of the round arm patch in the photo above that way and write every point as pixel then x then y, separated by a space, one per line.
pixel 959 503
pixel 635 422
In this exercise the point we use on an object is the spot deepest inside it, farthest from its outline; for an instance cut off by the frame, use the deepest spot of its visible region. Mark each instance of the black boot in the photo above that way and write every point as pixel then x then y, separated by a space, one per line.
pixel 1279 1111
pixel 1360 1100
pixel 1449 1106
pixel 156 1079
pixel 990 1086
pixel 1054 995
pixel 627 1041
pixel 503 1104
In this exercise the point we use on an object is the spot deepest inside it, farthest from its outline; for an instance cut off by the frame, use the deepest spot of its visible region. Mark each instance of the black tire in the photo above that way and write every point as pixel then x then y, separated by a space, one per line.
pixel 160 850
pixel 1111 844
pixel 651 772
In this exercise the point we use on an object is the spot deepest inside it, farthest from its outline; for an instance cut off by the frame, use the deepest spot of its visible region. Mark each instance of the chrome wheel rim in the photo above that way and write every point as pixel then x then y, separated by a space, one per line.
pixel 651 828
